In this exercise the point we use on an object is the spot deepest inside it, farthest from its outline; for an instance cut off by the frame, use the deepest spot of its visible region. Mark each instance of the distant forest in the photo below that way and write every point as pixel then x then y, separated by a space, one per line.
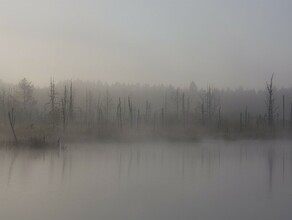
pixel 72 110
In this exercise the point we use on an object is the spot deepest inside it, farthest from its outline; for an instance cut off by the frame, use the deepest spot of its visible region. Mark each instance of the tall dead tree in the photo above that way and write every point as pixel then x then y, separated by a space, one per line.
pixel 147 112
pixel 162 117
pixel 203 113
pixel 108 104
pixel 177 104
pixel 64 103
pixel 53 96
pixel 3 107
pixel 154 121
pixel 71 111
pixel 183 109
pixel 165 108
pixel 88 106
pixel 211 103
pixel 291 115
pixel 240 122
pixel 245 117
pixel 270 103
pixel 188 110
pixel 138 118
pixel 283 111
pixel 99 112
pixel 130 105
pixel 219 117
pixel 11 117
pixel 119 114
pixel 124 109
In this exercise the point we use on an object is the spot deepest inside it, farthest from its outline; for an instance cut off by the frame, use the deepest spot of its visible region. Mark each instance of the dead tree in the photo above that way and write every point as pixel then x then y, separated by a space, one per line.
pixel 245 117
pixel 177 104
pixel 99 116
pixel 130 105
pixel 124 109
pixel 188 110
pixel 64 108
pixel 203 113
pixel 108 104
pixel 138 118
pixel 210 104
pixel 3 107
pixel 147 112
pixel 162 117
pixel 219 117
pixel 119 114
pixel 291 115
pixel 53 96
pixel 270 103
pixel 11 117
pixel 71 111
pixel 154 121
pixel 88 105
pixel 240 122
pixel 283 111
pixel 183 109
pixel 165 108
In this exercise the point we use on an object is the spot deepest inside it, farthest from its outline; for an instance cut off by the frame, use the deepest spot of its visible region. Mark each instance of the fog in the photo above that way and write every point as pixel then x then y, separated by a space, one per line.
pixel 78 110
pixel 227 44
pixel 145 110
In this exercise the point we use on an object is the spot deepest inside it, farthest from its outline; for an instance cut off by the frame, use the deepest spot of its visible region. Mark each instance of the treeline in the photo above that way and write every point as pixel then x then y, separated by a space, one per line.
pixel 75 109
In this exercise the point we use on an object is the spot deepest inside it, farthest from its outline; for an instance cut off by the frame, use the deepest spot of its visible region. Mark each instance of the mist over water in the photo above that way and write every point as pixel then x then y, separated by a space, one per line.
pixel 145 110
pixel 161 180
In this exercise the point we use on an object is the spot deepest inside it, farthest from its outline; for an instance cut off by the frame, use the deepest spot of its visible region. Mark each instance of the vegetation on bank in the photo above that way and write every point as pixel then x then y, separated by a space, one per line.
pixel 181 115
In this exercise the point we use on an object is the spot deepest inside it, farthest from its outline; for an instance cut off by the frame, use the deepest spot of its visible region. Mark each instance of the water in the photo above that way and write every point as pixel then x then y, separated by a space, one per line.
pixel 171 181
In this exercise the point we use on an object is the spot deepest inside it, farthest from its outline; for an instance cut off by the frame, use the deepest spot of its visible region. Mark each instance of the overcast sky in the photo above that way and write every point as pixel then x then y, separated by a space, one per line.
pixel 226 43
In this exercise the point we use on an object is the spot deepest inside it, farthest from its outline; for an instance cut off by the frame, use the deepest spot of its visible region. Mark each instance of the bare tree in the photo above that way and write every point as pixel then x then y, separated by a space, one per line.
pixel 183 109
pixel 108 105
pixel 138 118
pixel 88 108
pixel 147 111
pixel 209 105
pixel 177 104
pixel 283 111
pixel 165 105
pixel 130 105
pixel 203 113
pixel 3 106
pixel 11 117
pixel 64 103
pixel 53 97
pixel 119 114
pixel 270 103
pixel 71 107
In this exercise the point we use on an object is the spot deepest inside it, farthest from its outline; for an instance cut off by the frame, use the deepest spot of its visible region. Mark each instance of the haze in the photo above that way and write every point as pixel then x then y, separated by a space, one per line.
pixel 225 43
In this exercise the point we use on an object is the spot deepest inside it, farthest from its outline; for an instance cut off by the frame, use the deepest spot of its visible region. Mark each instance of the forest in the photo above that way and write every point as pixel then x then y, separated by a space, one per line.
pixel 91 111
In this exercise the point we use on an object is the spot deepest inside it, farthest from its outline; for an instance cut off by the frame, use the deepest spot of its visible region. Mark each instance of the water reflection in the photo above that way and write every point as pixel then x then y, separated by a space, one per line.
pixel 13 158
pixel 182 179
pixel 271 158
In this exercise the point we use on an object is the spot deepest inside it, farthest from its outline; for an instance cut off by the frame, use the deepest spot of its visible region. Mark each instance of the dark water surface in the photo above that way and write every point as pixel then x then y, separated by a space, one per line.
pixel 163 181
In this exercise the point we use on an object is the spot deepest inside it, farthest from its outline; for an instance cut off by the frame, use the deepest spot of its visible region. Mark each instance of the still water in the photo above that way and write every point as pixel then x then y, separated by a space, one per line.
pixel 148 181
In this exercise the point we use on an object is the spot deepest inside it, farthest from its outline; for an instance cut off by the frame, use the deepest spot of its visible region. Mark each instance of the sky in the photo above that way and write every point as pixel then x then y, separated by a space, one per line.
pixel 224 43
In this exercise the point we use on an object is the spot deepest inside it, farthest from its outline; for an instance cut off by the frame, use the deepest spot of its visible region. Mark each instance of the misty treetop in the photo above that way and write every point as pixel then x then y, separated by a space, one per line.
pixel 82 109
